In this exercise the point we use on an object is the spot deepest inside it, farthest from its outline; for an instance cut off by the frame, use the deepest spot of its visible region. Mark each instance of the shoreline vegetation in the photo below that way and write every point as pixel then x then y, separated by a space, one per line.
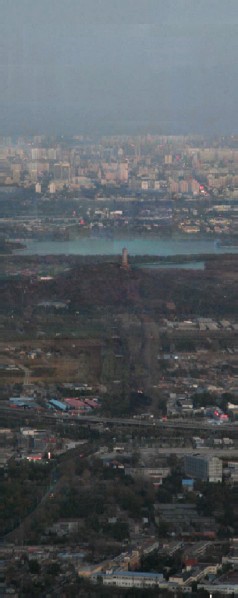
pixel 8 247
pixel 134 260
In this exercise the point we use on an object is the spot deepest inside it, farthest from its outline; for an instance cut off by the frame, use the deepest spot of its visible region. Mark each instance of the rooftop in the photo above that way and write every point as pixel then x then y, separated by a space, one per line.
pixel 136 574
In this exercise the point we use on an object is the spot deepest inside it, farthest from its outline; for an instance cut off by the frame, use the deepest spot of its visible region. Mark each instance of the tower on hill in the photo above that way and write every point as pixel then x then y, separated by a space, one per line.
pixel 124 261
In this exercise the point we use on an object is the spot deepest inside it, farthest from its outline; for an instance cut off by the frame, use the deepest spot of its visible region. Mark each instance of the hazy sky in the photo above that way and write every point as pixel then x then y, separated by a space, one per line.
pixel 114 65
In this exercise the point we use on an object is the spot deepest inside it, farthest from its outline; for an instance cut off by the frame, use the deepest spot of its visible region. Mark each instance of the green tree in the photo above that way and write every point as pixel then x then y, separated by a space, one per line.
pixel 34 567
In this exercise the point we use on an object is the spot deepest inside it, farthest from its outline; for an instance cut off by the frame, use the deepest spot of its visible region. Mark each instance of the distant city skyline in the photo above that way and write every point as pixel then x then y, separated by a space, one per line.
pixel 123 67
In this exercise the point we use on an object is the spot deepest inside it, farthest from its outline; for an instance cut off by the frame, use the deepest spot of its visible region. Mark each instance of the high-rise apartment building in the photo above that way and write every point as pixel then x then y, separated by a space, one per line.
pixel 205 468
pixel 38 188
pixel 123 172
pixel 168 159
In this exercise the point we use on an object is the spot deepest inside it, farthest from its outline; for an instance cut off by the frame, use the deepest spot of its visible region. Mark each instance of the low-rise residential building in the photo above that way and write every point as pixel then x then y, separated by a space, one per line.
pixel 132 579
pixel 154 474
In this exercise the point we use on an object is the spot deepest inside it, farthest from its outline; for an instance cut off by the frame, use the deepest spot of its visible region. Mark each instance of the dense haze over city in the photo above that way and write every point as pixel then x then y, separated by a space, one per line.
pixel 118 67
pixel 118 298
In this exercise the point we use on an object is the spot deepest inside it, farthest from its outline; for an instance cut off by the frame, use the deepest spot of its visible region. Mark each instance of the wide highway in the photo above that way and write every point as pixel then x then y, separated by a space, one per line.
pixel 34 417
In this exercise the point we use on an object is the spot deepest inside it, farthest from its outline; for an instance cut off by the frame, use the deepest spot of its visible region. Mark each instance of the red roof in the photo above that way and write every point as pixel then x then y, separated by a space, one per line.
pixel 91 403
pixel 77 403
pixel 190 562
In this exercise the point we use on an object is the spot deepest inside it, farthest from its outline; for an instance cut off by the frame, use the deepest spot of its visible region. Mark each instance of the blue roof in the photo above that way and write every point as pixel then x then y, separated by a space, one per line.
pixel 29 399
pixel 22 403
pixel 58 404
